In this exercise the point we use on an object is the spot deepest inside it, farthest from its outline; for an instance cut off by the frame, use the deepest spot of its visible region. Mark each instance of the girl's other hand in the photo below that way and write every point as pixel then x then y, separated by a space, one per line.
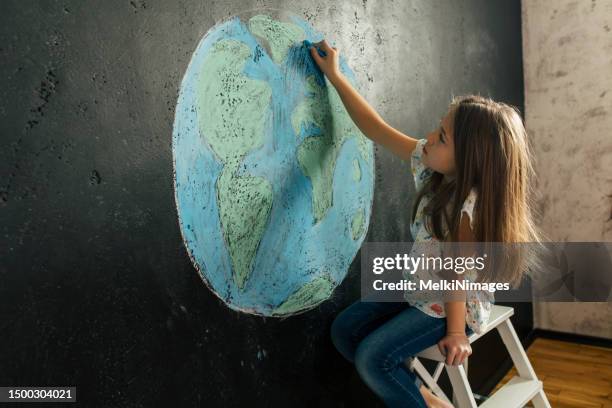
pixel 455 347
pixel 328 64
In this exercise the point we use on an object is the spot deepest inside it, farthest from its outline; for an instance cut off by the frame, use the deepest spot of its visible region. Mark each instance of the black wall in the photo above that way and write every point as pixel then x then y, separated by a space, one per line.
pixel 96 288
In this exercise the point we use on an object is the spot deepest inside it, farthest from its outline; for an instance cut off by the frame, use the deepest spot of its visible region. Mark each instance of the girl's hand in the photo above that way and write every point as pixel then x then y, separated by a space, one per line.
pixel 328 64
pixel 456 348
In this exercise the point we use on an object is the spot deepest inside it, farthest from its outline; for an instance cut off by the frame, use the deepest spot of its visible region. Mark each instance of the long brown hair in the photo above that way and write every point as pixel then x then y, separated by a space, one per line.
pixel 492 155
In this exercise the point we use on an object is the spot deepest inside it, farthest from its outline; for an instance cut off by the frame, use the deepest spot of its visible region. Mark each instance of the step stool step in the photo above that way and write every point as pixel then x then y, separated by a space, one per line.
pixel 514 394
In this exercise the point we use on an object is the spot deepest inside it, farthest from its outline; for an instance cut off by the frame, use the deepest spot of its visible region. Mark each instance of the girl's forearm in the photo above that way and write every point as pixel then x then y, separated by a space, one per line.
pixel 455 316
pixel 362 113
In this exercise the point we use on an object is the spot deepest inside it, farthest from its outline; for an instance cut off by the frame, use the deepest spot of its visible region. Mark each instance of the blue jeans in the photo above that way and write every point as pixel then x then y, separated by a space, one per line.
pixel 378 337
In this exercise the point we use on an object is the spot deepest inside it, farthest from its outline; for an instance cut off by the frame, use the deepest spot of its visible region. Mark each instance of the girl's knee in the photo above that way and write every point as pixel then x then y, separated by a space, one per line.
pixel 362 358
pixel 376 353
pixel 367 356
pixel 370 363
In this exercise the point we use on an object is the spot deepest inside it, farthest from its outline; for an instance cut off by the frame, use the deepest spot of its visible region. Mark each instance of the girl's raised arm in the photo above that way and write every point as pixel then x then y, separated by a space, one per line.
pixel 365 117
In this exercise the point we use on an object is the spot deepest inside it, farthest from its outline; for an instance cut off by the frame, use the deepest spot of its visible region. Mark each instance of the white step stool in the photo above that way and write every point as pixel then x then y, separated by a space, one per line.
pixel 515 394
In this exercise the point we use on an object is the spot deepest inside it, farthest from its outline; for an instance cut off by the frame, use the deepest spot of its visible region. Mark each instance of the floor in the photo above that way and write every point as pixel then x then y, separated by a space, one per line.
pixel 574 375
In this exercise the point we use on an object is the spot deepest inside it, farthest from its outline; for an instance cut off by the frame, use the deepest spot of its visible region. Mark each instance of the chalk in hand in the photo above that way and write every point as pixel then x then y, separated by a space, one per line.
pixel 309 44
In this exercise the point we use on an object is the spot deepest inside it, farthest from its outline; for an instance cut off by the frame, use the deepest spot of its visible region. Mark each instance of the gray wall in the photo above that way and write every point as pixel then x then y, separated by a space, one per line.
pixel 568 95
pixel 97 290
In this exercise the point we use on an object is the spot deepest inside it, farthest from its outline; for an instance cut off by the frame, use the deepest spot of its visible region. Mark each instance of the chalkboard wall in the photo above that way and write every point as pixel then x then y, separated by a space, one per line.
pixel 96 288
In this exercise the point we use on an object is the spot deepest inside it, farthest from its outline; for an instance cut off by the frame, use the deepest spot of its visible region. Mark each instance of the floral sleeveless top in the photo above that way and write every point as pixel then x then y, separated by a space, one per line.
pixel 478 303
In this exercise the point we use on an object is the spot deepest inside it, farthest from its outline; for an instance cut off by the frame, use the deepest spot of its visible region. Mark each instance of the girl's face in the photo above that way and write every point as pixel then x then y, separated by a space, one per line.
pixel 439 151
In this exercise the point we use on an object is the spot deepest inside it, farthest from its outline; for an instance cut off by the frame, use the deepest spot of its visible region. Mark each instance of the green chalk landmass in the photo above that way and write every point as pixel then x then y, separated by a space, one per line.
pixel 232 108
pixel 317 155
pixel 280 36
pixel 244 205
pixel 232 113
pixel 358 223
pixel 312 293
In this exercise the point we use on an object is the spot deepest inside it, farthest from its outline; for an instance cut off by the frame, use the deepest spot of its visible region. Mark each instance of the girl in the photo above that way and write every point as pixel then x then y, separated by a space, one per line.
pixel 477 163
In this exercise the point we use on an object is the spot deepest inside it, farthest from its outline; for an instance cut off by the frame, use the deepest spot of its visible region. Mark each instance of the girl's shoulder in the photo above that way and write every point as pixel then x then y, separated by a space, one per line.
pixel 420 172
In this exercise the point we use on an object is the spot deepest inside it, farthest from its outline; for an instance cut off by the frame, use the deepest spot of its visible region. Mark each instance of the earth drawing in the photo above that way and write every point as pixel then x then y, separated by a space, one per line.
pixel 273 181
